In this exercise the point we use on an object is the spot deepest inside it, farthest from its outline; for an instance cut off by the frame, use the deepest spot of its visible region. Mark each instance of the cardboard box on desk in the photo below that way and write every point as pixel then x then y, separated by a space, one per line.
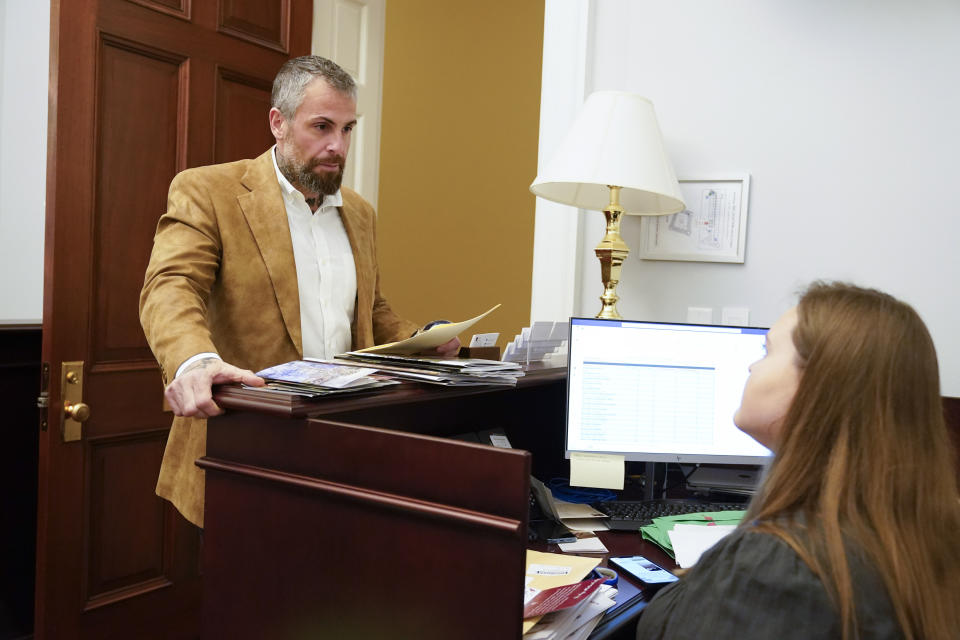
pixel 486 353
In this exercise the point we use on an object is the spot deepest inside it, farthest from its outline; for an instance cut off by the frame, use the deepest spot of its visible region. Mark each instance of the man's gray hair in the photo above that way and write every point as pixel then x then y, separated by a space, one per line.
pixel 297 73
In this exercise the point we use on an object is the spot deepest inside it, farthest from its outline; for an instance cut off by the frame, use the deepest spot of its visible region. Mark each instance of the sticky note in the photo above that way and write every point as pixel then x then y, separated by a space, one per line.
pixel 601 470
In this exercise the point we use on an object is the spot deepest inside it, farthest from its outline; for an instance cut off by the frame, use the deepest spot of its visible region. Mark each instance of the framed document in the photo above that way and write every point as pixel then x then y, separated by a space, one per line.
pixel 713 227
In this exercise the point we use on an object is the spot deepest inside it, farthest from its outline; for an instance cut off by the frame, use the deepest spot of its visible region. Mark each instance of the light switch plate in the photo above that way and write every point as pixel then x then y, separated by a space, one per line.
pixel 735 316
pixel 700 315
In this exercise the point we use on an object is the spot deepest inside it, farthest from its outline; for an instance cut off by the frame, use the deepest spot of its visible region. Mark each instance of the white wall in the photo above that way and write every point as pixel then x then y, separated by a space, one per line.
pixel 845 114
pixel 563 89
pixel 24 62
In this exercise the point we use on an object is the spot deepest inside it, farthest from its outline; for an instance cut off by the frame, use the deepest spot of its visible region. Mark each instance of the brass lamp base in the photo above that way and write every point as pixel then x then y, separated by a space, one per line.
pixel 611 252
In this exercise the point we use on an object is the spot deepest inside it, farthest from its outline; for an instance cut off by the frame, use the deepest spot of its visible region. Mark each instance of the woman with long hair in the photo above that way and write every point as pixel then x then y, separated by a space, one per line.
pixel 854 530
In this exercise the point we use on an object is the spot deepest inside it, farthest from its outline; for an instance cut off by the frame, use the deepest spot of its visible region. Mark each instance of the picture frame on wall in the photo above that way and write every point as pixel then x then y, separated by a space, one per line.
pixel 712 227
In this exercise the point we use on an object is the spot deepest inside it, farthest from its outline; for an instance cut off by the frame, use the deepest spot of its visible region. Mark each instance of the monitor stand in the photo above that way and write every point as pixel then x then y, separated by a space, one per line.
pixel 649 488
pixel 725 478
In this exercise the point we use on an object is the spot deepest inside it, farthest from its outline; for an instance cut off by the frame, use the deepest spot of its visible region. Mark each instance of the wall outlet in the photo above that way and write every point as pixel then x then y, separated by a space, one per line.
pixel 735 316
pixel 700 315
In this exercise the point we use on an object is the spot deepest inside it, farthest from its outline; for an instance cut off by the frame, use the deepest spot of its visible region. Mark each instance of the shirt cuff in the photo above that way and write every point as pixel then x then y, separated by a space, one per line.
pixel 189 361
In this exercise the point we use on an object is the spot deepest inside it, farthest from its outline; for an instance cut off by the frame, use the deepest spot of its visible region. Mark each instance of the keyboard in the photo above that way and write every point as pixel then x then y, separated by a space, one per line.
pixel 631 515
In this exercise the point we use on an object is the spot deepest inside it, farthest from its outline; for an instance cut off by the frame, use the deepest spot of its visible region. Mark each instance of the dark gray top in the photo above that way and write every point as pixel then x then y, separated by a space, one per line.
pixel 753 585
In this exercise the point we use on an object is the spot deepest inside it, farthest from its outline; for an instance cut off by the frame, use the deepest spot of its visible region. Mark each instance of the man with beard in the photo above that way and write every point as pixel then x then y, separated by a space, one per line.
pixel 263 261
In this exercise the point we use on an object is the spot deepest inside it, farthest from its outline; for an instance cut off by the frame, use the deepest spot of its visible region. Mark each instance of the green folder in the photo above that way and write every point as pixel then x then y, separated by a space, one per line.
pixel 657 532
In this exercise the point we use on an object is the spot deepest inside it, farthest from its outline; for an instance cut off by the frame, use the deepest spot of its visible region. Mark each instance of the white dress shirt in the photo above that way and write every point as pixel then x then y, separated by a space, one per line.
pixel 326 273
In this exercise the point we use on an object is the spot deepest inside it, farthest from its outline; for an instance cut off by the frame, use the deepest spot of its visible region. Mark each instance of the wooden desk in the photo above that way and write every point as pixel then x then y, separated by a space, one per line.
pixel 259 547
pixel 349 518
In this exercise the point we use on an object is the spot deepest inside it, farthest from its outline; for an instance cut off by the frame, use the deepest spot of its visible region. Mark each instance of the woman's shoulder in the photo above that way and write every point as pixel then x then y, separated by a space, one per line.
pixel 757 560
pixel 751 584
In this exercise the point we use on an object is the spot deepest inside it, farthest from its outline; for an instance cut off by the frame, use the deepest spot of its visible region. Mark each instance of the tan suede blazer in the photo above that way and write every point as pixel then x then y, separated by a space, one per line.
pixel 222 279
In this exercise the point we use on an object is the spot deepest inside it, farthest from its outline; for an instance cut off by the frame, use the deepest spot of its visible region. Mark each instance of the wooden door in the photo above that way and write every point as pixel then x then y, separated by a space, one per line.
pixel 139 90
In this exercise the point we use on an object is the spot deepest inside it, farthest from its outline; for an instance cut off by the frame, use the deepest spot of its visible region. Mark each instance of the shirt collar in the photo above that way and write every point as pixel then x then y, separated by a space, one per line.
pixel 290 192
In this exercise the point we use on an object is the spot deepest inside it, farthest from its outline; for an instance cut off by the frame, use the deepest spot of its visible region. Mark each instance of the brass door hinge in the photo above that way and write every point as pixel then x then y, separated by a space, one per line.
pixel 43 401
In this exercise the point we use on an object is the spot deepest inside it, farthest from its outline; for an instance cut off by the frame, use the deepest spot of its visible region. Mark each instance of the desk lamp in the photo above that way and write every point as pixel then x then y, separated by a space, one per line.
pixel 612 159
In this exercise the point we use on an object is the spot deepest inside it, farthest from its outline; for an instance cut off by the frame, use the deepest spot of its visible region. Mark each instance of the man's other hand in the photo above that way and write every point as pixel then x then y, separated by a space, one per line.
pixel 448 349
pixel 190 393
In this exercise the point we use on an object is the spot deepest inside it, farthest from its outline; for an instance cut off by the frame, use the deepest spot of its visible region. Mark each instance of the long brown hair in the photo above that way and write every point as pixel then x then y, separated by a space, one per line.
pixel 865 461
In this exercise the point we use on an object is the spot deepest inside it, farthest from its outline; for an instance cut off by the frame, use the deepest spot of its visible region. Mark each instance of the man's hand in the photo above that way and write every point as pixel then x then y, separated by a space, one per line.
pixel 190 393
pixel 448 349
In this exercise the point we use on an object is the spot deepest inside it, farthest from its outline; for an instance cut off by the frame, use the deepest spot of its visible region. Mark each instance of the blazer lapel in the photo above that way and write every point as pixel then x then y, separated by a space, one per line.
pixel 266 215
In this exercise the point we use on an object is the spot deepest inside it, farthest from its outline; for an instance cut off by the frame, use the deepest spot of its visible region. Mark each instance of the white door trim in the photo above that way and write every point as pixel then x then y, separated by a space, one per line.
pixel 556 240
pixel 351 33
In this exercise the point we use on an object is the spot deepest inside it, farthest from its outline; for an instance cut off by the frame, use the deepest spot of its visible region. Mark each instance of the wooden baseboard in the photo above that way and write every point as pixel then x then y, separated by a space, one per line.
pixel 20 355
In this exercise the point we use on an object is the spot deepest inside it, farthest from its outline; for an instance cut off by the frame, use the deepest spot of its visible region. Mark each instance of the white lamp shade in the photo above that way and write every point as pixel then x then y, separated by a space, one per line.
pixel 615 141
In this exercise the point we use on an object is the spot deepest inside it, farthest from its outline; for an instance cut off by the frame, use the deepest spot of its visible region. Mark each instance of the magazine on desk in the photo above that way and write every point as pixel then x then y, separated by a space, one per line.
pixel 312 379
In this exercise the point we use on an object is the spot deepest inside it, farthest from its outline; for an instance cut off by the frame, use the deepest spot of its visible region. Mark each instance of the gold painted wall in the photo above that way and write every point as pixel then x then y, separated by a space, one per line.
pixel 461 110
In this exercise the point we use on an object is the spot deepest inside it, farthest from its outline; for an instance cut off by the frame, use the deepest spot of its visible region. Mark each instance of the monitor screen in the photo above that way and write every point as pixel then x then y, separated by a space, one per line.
pixel 660 392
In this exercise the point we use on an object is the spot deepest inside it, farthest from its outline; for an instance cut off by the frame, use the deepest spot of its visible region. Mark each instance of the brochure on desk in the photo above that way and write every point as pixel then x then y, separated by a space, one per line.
pixel 548 570
pixel 308 378
pixel 562 597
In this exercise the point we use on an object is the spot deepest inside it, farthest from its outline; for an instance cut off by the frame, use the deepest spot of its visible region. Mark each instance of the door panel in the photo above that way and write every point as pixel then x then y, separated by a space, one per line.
pixel 140 89
pixel 177 8
pixel 133 81
pixel 118 515
pixel 263 23
pixel 241 99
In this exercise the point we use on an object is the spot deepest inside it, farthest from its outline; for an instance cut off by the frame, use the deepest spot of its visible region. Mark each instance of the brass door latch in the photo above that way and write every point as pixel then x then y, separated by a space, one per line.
pixel 75 411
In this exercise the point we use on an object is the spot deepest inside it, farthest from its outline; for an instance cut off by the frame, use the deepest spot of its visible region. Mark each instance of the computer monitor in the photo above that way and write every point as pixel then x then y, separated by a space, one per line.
pixel 660 392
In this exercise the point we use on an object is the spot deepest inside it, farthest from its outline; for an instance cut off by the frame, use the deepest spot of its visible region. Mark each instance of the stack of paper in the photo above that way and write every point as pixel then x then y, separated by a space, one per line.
pixel 586 543
pixel 437 370
pixel 308 378
pixel 576 517
pixel 550 570
pixel 540 342
pixel 569 612
pixel 399 359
